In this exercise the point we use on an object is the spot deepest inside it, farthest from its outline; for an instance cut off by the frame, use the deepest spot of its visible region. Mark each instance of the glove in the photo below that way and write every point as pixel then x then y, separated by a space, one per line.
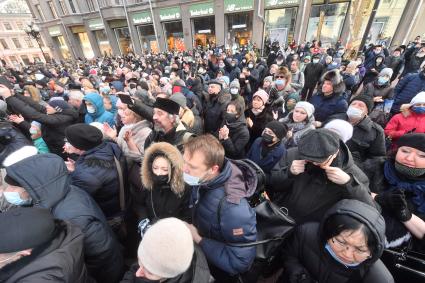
pixel 385 199
pixel 399 207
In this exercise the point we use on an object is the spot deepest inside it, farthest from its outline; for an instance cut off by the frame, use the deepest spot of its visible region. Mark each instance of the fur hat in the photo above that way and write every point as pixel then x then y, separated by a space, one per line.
pixel 262 94
pixel 83 136
pixel 308 107
pixel 342 128
pixel 167 248
pixel 167 105
pixel 334 76
pixel 174 156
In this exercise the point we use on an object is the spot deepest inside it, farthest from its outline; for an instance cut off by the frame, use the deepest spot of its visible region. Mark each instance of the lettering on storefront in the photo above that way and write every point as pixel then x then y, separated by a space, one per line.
pixel 142 18
pixel 274 3
pixel 54 31
pixel 232 6
pixel 168 14
pixel 96 24
pixel 203 9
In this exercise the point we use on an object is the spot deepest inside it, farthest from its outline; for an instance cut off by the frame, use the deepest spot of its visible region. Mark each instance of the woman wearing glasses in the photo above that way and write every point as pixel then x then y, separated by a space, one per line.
pixel 344 247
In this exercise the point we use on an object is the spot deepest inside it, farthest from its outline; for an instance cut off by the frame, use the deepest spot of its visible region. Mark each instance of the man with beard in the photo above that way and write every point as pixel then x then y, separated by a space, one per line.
pixel 167 126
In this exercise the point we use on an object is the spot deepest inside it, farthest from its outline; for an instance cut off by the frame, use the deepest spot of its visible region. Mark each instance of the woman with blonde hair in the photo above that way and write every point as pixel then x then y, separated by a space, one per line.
pixel 33 92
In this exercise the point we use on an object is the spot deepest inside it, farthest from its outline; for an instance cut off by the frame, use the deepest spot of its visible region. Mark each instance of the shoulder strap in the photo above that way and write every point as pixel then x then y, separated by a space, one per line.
pixel 121 181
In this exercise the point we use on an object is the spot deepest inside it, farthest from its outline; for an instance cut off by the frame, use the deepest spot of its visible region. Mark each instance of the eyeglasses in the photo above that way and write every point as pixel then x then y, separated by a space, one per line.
pixel 280 77
pixel 342 245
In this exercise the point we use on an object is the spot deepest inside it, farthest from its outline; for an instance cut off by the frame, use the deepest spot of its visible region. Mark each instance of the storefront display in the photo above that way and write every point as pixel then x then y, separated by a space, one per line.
pixel 55 33
pixel 124 40
pixel 98 28
pixel 326 21
pixel 203 24
pixel 239 22
pixel 280 25
pixel 145 31
pixel 173 28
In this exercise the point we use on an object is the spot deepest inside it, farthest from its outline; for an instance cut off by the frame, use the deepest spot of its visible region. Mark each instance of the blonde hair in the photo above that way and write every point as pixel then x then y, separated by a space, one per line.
pixel 34 92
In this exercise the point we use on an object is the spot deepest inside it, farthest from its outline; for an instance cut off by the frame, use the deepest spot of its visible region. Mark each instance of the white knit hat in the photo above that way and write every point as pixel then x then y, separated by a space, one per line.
pixel 19 155
pixel 342 128
pixel 166 249
pixel 308 107
pixel 419 98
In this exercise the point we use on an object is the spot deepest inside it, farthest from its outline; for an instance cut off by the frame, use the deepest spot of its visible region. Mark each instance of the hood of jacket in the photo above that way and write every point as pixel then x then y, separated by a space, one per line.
pixel 97 102
pixel 44 177
pixel 365 214
pixel 11 139
pixel 101 155
pixel 174 157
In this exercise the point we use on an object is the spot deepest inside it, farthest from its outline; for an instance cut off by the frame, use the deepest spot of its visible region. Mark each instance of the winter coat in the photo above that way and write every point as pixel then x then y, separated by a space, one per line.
pixel 198 271
pixel 298 129
pixel 11 139
pixel 404 123
pixel 224 197
pixel 259 123
pixel 396 64
pixel 168 200
pixel 213 113
pixel 101 115
pixel 52 126
pixel 141 130
pixel 328 107
pixel 234 146
pixel 308 195
pixel 59 260
pixel 268 161
pixel 368 141
pixel 350 81
pixel 373 89
pixel 298 81
pixel 312 74
pixel 96 173
pixel 306 256
pixel 373 71
pixel 370 58
pixel 406 89
pixel 47 181
pixel 412 62
pixel 176 136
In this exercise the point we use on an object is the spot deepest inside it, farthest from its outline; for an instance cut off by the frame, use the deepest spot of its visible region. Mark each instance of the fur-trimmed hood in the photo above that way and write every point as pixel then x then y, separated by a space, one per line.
pixel 337 80
pixel 174 157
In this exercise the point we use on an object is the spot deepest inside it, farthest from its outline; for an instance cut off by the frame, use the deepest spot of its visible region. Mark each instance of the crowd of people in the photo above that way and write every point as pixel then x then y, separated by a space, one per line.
pixel 136 168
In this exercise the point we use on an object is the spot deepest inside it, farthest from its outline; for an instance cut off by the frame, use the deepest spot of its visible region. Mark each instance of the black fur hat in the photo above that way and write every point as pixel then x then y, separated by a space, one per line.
pixel 335 77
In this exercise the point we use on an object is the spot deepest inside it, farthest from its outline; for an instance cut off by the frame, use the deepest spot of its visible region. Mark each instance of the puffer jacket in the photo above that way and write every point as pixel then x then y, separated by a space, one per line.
pixel 328 107
pixel 406 89
pixel 96 173
pixel 52 126
pixel 11 139
pixel 62 258
pixel 307 260
pixel 167 200
pixel 404 123
pixel 101 115
pixel 46 180
pixel 308 195
pixel 224 197
pixel 373 89
pixel 264 156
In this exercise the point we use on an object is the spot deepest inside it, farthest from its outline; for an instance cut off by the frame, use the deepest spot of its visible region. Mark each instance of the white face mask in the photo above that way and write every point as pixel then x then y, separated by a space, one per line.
pixel 315 61
pixel 354 113
pixel 234 90
pixel 91 109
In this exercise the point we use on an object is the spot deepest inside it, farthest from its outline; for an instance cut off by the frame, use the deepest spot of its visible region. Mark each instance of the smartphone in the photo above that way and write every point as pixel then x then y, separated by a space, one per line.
pixel 125 98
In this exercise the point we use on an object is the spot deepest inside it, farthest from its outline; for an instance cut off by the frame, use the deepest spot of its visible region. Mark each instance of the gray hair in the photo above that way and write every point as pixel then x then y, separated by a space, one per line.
pixel 76 94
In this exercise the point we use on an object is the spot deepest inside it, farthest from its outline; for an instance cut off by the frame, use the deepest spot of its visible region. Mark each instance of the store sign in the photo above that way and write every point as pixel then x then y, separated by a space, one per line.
pixel 142 18
pixel 275 3
pixel 202 9
pixel 96 24
pixel 233 6
pixel 168 14
pixel 54 31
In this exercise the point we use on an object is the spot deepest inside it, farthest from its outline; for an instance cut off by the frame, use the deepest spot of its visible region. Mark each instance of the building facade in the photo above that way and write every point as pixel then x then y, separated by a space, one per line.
pixel 16 47
pixel 91 28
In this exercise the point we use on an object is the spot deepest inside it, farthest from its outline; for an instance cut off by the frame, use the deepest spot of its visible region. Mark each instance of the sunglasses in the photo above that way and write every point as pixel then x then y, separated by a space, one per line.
pixel 280 77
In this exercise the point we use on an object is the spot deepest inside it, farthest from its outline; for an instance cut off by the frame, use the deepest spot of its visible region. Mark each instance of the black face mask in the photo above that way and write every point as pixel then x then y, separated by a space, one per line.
pixel 160 179
pixel 267 139
pixel 230 117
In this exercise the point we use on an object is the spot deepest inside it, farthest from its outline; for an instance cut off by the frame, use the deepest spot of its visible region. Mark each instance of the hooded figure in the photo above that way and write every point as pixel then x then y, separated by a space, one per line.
pixel 163 195
pixel 45 178
pixel 96 111
pixel 310 255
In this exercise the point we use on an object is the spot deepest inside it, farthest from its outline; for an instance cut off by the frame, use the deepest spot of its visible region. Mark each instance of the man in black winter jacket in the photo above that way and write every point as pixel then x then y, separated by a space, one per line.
pixel 312 74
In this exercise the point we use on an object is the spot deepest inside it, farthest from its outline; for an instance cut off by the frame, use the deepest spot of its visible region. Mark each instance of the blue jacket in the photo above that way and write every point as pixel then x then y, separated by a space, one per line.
pixel 268 162
pixel 101 115
pixel 325 107
pixel 406 89
pixel 237 219
pixel 96 173
pixel 46 179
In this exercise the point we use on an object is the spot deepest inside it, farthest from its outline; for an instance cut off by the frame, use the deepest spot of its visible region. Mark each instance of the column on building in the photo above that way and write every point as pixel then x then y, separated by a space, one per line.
pixel 203 25
pixel 238 23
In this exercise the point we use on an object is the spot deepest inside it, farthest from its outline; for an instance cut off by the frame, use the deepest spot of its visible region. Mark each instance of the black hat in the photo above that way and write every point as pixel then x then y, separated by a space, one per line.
pixel 366 99
pixel 415 140
pixel 215 82
pixel 6 82
pixel 318 145
pixel 278 128
pixel 83 136
pixel 25 228
pixel 74 86
pixel 167 105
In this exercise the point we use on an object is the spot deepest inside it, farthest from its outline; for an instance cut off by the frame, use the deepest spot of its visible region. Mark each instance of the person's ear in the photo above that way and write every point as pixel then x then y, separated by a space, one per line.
pixel 215 169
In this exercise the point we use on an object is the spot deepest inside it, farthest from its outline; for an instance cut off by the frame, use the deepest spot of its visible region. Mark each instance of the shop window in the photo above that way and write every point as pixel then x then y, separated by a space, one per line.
pixel 147 38
pixel 239 29
pixel 204 31
pixel 124 40
pixel 280 26
pixel 174 36
pixel 103 42
pixel 85 45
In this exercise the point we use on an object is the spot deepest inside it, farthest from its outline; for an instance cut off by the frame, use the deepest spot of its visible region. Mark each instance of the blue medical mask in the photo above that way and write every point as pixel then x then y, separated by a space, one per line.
pixel 332 253
pixel 191 180
pixel 382 80
pixel 280 82
pixel 33 131
pixel 418 109
pixel 15 199
pixel 91 109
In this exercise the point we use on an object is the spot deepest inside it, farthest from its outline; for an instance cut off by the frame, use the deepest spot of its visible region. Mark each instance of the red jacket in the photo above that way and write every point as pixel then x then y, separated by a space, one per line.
pixel 401 124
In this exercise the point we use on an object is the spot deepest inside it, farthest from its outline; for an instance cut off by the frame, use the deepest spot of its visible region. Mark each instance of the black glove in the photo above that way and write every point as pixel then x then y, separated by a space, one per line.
pixel 395 201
